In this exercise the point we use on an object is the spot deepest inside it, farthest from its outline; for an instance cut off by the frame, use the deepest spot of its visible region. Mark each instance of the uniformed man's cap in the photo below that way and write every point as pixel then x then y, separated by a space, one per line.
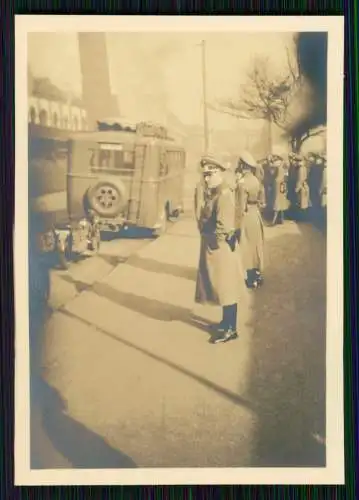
pixel 248 159
pixel 298 157
pixel 209 162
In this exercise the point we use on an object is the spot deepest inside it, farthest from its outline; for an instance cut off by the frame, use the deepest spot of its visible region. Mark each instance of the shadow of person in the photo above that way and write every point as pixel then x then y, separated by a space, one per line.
pixel 153 308
pixel 288 353
pixel 81 447
pixel 56 440
pixel 163 267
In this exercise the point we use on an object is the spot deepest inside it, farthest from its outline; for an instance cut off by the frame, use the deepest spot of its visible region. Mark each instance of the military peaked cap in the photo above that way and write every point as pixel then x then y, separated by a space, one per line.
pixel 248 159
pixel 210 162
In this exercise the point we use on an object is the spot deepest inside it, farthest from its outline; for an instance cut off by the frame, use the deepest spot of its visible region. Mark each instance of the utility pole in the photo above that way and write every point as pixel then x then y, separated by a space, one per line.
pixel 205 115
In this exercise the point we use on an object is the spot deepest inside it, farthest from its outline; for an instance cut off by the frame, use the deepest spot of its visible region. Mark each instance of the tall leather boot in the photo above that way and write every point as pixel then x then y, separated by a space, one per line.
pixel 231 331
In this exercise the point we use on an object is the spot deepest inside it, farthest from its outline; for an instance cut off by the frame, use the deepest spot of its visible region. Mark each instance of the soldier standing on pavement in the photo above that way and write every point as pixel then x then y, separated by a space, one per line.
pixel 291 183
pixel 301 187
pixel 314 180
pixel 219 278
pixel 281 203
pixel 268 180
pixel 249 224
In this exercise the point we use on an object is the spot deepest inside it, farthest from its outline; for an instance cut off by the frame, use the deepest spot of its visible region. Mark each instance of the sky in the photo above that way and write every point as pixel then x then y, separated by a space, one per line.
pixel 150 69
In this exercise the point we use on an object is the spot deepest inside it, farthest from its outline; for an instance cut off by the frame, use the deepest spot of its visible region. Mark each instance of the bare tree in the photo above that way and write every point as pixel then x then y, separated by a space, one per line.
pixel 274 97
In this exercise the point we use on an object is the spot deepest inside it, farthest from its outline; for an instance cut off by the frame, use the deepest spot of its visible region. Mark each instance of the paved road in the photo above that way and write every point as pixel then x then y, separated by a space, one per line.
pixel 130 379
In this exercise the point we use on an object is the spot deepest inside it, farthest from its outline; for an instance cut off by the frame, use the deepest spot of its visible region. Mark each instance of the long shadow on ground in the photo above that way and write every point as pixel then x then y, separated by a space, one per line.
pixel 57 440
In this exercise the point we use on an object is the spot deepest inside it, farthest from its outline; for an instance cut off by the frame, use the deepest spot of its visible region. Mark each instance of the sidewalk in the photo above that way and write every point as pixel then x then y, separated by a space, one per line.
pixel 131 358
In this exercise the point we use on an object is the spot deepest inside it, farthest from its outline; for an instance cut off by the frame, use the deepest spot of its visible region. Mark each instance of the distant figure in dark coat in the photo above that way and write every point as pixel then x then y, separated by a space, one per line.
pixel 268 182
pixel 315 170
pixel 281 203
pixel 291 183
pixel 301 187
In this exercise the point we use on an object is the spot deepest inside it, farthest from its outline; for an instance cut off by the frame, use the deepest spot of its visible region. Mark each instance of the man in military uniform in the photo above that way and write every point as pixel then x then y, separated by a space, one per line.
pixel 280 175
pixel 291 184
pixel 268 181
pixel 219 278
pixel 301 187
pixel 248 222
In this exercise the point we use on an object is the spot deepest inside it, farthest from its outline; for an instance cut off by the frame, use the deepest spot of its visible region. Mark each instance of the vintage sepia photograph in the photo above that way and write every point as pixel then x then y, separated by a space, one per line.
pixel 178 259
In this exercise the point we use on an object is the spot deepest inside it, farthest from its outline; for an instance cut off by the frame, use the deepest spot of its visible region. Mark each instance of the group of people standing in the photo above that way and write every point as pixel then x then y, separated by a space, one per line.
pixel 232 238
pixel 296 187
pixel 229 219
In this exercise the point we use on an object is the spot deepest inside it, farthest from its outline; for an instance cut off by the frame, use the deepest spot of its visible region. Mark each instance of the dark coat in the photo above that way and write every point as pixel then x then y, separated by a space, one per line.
pixel 280 189
pixel 302 188
pixel 199 197
pixel 268 181
pixel 248 219
pixel 291 183
pixel 314 182
pixel 220 279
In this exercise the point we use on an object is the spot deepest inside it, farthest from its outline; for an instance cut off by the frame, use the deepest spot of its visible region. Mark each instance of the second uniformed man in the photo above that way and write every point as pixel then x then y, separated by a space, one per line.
pixel 249 224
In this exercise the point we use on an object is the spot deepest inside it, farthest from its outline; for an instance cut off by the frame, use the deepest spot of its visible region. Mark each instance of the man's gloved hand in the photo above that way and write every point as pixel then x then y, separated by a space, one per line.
pixel 232 241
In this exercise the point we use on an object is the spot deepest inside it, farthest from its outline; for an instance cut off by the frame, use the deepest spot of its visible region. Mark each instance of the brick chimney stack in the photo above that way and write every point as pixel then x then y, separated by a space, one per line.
pixel 98 100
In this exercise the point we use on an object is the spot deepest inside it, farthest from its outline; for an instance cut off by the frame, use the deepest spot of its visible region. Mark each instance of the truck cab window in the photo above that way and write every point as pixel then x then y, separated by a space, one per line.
pixel 105 157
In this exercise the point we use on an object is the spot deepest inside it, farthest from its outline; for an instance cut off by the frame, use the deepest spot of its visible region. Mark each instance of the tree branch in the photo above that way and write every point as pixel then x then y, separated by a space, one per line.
pixel 233 113
pixel 316 133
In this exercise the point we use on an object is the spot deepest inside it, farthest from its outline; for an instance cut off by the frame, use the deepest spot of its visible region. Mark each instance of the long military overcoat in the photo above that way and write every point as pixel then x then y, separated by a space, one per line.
pixel 199 197
pixel 291 183
pixel 302 188
pixel 220 277
pixel 268 181
pixel 314 180
pixel 248 219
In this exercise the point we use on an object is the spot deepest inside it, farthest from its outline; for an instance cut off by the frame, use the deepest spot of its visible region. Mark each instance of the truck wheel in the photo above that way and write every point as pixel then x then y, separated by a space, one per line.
pixel 107 198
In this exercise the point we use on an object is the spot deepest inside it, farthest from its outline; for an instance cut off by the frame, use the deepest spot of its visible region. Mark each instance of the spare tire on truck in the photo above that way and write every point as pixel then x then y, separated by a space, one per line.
pixel 107 197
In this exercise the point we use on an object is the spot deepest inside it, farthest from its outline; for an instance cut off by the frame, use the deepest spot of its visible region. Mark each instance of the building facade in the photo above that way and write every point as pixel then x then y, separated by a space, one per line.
pixel 54 114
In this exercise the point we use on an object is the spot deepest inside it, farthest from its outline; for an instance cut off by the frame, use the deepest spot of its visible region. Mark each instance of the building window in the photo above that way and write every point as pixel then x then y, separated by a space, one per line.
pixel 55 120
pixel 43 118
pixel 84 124
pixel 65 122
pixel 75 122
